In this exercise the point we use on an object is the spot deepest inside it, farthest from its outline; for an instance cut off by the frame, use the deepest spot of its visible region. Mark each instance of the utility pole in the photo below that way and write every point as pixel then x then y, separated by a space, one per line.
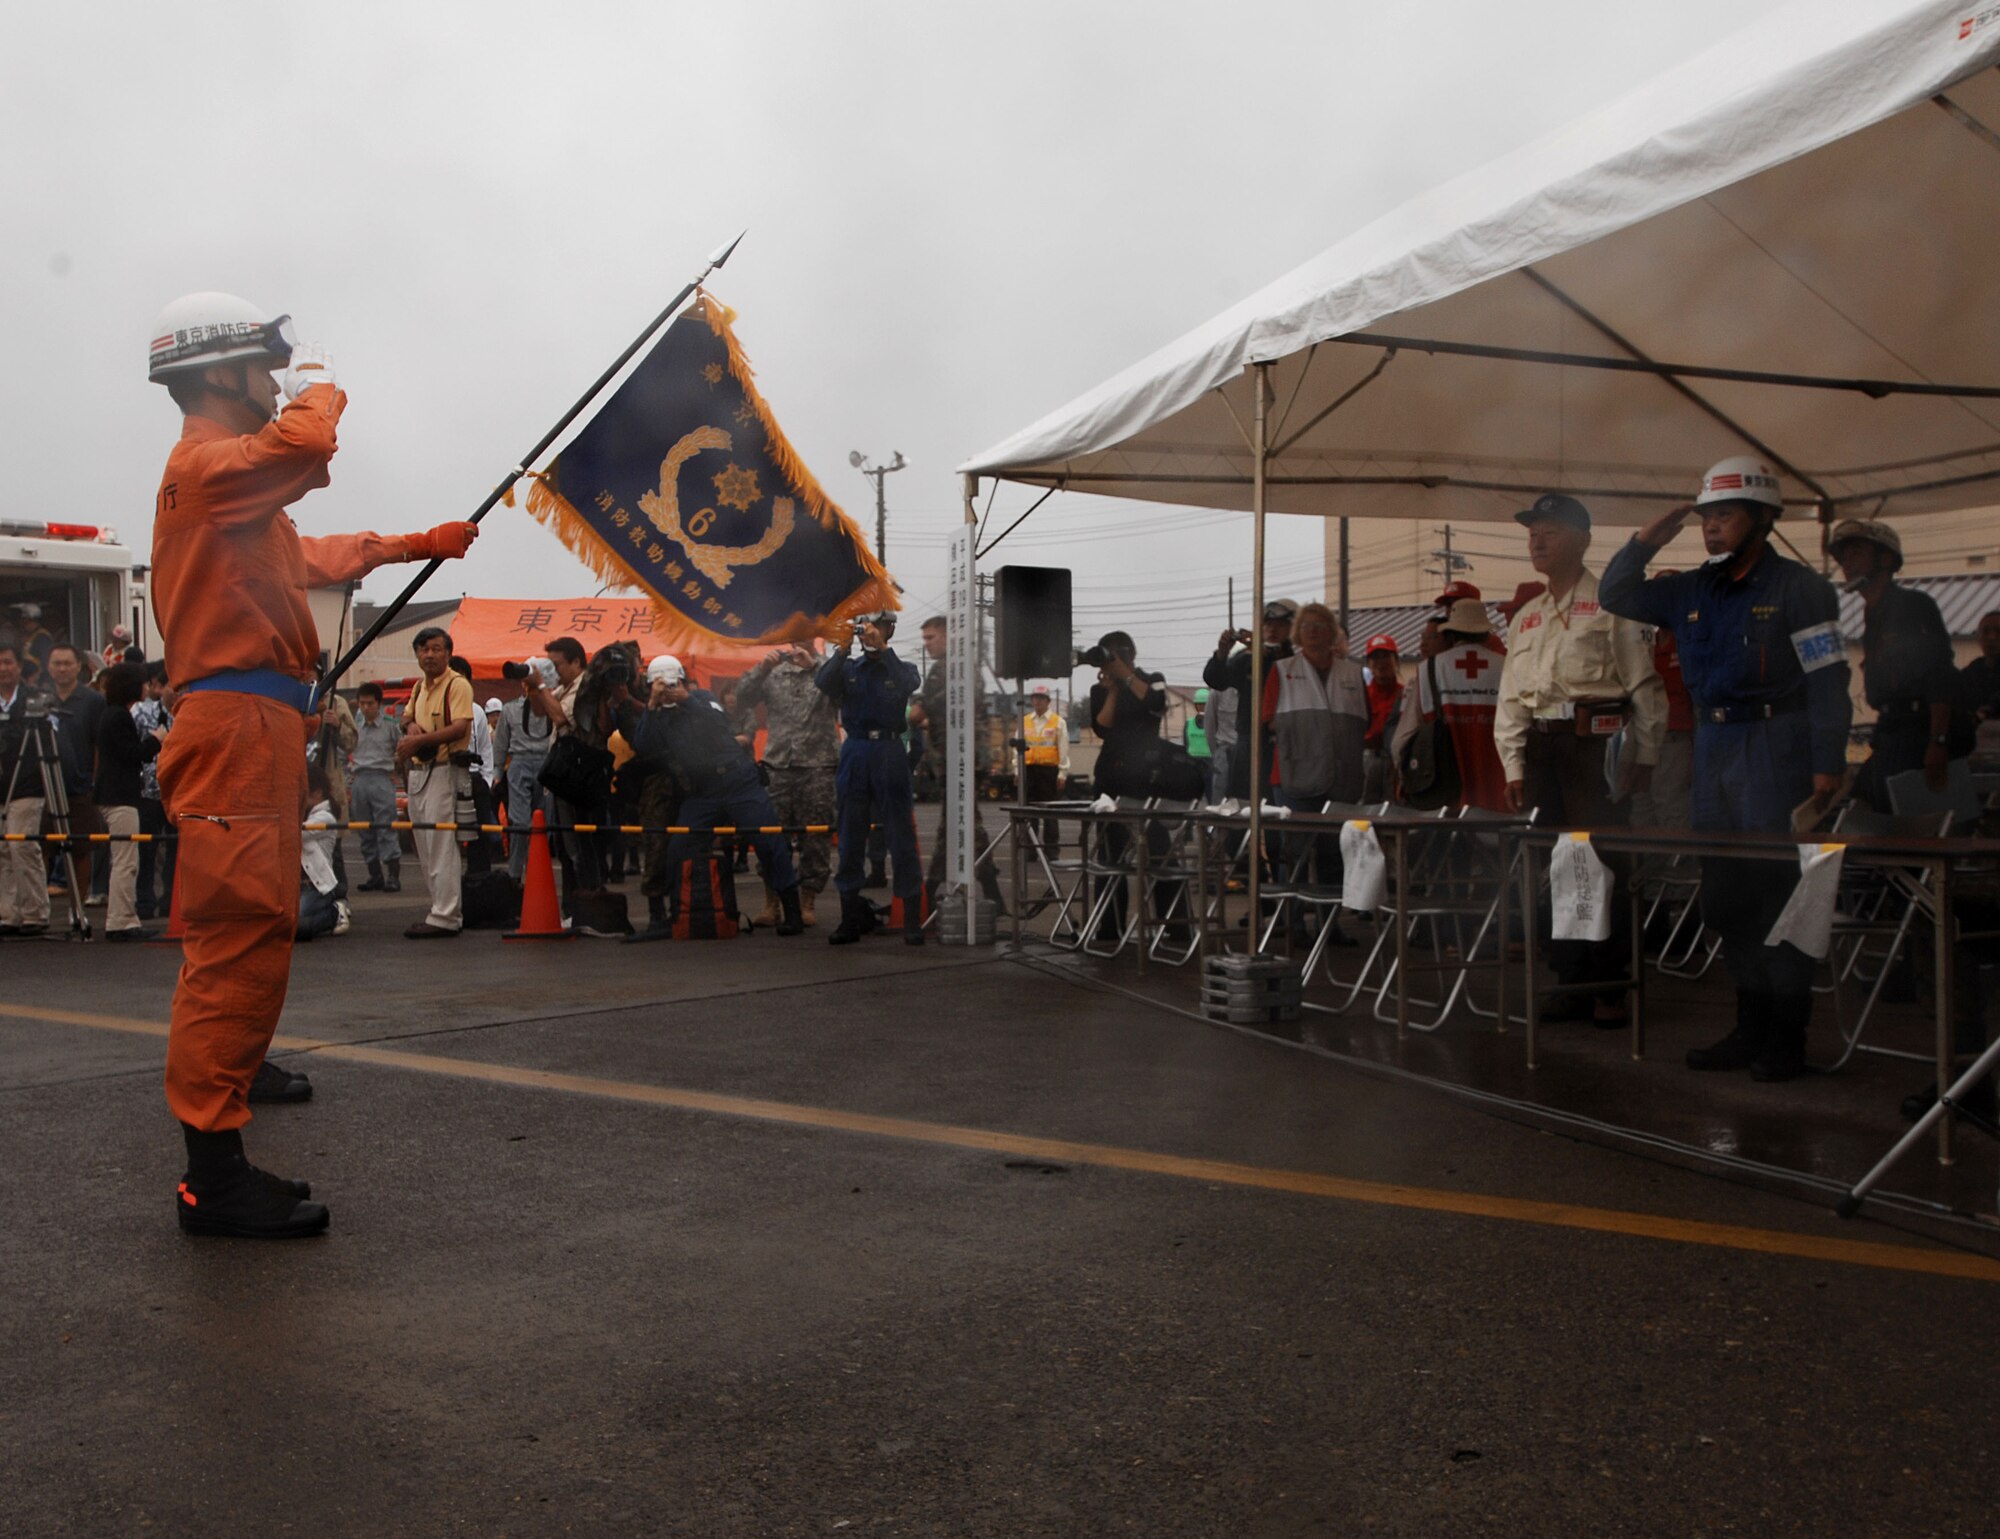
pixel 860 462
pixel 1449 564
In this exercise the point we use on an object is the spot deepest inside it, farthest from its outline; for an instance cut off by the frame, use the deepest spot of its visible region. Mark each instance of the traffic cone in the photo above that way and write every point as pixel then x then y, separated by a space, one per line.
pixel 176 924
pixel 923 909
pixel 541 917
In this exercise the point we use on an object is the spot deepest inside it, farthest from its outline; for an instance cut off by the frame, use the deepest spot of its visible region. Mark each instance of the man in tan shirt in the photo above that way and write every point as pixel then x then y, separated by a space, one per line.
pixel 435 727
pixel 1576 677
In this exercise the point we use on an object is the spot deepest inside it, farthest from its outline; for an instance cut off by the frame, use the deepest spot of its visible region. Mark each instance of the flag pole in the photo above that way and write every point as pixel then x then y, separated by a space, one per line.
pixel 382 621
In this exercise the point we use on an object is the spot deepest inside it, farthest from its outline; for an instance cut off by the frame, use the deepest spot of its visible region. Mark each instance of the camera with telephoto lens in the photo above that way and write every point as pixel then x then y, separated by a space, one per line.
pixel 615 671
pixel 515 671
pixel 1092 657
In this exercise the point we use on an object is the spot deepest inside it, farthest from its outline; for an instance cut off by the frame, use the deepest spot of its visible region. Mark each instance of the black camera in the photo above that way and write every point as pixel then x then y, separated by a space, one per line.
pixel 1092 657
pixel 516 671
pixel 615 671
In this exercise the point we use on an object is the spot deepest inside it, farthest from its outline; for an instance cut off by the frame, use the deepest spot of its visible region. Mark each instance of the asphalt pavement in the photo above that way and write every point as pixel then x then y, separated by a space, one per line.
pixel 764 1237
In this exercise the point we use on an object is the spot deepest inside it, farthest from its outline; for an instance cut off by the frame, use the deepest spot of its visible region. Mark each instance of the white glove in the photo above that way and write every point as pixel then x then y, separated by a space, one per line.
pixel 311 365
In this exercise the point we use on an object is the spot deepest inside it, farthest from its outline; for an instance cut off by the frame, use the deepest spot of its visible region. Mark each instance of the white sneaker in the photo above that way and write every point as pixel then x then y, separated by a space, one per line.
pixel 93 901
pixel 343 917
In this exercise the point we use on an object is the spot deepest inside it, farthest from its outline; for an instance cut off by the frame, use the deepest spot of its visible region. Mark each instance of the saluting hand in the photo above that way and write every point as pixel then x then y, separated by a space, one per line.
pixel 1661 531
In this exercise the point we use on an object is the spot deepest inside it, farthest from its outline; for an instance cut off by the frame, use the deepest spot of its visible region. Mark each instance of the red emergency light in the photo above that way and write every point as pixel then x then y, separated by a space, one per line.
pixel 52 531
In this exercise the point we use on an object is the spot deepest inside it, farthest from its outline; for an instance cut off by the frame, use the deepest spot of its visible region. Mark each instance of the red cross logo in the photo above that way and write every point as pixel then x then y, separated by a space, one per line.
pixel 1473 664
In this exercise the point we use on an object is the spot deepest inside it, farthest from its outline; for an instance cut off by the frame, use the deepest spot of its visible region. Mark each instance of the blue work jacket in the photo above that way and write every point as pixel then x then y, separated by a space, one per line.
pixel 873 690
pixel 1767 641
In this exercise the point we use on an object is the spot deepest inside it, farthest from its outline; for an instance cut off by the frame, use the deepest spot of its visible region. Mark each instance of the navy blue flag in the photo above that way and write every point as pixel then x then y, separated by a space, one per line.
pixel 684 485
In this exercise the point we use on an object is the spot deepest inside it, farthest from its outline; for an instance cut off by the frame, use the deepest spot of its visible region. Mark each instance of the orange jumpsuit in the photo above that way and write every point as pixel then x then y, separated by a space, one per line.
pixel 230 574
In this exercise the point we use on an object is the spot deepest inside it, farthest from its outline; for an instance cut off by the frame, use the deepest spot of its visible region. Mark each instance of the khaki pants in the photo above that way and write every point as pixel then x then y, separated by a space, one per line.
pixel 434 799
pixel 24 878
pixel 122 902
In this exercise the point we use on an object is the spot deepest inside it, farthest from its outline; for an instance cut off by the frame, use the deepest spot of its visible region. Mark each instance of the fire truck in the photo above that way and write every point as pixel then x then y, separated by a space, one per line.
pixel 74 582
pixel 68 582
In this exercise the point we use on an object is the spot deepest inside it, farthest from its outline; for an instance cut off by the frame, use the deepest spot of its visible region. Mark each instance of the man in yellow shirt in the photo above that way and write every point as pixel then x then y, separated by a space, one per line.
pixel 435 729
pixel 1047 759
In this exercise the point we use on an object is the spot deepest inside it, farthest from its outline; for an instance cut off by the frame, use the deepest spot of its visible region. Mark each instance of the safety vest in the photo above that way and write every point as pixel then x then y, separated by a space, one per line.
pixel 1044 736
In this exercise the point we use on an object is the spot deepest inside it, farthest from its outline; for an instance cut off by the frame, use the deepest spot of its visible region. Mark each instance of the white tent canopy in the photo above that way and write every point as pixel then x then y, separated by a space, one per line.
pixel 1816 197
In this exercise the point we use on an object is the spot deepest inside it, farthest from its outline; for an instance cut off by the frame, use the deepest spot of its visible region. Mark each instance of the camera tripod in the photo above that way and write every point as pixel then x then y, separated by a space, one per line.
pixel 39 739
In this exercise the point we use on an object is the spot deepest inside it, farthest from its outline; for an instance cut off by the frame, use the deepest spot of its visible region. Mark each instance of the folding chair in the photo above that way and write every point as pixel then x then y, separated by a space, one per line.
pixel 1107 874
pixel 1173 873
pixel 1382 954
pixel 1879 907
pixel 1069 882
pixel 1462 885
pixel 1321 891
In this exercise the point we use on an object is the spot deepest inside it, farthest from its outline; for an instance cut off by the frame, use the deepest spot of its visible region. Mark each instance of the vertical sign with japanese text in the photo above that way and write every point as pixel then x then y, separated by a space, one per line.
pixel 960 679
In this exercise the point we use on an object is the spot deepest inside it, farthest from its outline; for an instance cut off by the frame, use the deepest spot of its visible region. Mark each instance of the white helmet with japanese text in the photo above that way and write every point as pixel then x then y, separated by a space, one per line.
pixel 1742 478
pixel 197 330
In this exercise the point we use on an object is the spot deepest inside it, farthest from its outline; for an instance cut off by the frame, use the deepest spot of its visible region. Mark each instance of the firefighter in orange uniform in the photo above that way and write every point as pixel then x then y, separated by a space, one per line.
pixel 230 574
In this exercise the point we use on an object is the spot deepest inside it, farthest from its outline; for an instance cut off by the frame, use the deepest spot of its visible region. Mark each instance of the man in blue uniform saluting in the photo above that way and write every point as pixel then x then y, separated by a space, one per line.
pixel 873 781
pixel 1762 657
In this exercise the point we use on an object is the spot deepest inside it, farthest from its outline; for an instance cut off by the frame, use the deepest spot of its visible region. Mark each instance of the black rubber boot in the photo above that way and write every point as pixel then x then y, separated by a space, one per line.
pixel 223 1194
pixel 913 926
pixel 276 1086
pixel 878 876
pixel 793 923
pixel 1740 1048
pixel 1982 1100
pixel 374 882
pixel 850 928
pixel 658 926
pixel 1783 1054
pixel 393 881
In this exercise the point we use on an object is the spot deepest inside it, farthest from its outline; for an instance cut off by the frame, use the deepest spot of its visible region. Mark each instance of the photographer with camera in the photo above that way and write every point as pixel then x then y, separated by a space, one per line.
pixel 1229 669
pixel 873 781
pixel 432 748
pixel 1127 706
pixel 686 732
pixel 582 872
pixel 520 747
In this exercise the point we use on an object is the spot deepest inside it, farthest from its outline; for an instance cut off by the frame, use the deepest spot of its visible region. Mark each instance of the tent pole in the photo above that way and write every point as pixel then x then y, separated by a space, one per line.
pixel 1343 574
pixel 1259 445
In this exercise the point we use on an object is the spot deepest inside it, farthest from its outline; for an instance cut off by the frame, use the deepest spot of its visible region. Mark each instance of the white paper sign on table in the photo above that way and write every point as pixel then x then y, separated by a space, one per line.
pixel 1364 871
pixel 1579 890
pixel 1807 917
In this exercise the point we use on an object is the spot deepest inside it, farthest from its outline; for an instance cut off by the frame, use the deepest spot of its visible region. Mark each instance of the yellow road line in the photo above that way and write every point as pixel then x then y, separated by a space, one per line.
pixel 1561 1215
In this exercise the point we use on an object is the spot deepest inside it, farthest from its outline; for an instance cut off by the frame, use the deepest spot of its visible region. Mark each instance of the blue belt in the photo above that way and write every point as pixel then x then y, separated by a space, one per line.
pixel 267 682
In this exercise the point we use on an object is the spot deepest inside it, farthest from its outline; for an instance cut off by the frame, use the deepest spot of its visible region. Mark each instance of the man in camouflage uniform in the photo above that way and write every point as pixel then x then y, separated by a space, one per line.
pixel 801 756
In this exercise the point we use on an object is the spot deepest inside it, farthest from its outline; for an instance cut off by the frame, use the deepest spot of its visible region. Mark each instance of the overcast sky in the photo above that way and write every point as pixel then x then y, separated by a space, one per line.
pixel 959 218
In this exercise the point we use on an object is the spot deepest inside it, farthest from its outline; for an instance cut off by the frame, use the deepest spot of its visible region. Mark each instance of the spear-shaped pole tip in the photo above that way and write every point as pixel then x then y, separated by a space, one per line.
pixel 723 253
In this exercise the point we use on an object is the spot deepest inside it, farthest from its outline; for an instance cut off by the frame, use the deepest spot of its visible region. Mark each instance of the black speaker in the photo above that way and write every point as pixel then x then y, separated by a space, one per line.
pixel 1031 622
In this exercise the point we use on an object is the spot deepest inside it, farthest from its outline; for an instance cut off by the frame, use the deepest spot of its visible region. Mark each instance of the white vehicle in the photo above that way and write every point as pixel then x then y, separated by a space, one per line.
pixel 74 582
pixel 67 582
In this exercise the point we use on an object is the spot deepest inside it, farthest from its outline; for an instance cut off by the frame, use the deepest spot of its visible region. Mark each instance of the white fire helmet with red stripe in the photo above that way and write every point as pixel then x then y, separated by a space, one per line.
pixel 1741 478
pixel 197 330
